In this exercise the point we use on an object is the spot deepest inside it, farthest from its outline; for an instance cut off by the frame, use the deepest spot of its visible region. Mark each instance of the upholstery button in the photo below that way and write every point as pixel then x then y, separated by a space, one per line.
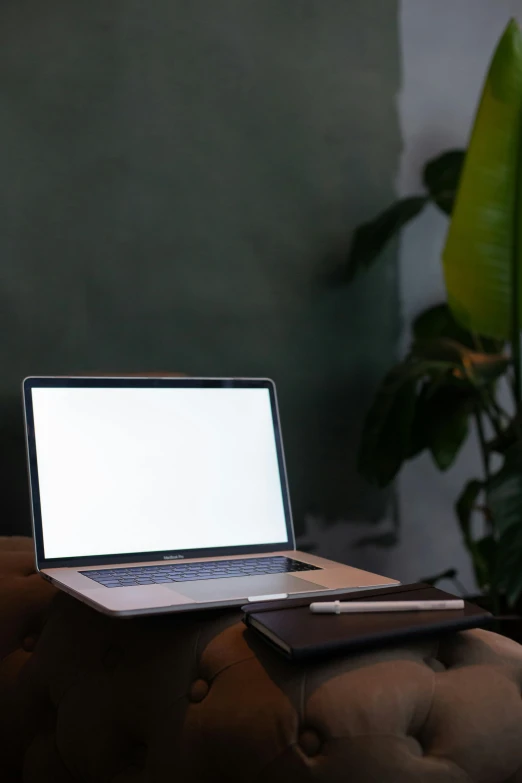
pixel 416 744
pixel 112 657
pixel 435 664
pixel 198 690
pixel 310 742
pixel 29 643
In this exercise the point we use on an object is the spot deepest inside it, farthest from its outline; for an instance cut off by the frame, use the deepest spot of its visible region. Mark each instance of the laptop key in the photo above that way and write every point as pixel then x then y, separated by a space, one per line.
pixel 188 572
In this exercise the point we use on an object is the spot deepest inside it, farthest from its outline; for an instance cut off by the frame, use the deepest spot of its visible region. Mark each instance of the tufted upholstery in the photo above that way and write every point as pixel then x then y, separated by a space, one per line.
pixel 194 698
pixel 24 601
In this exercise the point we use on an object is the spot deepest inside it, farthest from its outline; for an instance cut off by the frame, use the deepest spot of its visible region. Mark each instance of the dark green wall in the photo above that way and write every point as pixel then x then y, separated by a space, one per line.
pixel 178 179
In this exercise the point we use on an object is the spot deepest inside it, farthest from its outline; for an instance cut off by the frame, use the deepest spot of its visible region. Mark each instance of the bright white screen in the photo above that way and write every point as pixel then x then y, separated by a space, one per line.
pixel 143 470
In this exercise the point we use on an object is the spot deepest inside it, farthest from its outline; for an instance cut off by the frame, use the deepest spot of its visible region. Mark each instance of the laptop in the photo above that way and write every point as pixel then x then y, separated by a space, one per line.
pixel 153 495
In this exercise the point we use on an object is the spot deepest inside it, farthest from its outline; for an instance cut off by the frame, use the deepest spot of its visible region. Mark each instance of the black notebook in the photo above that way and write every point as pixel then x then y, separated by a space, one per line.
pixel 294 631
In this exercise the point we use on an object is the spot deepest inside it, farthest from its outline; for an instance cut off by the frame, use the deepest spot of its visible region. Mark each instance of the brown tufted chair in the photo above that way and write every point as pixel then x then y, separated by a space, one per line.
pixel 194 698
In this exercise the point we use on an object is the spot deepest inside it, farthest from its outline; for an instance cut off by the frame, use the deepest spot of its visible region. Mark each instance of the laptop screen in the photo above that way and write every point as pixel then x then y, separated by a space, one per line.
pixel 161 469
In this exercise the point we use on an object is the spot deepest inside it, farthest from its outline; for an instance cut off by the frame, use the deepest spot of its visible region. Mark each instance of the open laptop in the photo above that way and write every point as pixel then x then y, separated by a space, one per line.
pixel 154 495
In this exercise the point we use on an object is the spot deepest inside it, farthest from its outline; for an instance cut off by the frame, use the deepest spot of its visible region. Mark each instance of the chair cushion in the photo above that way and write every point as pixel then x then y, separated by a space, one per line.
pixel 25 599
pixel 195 698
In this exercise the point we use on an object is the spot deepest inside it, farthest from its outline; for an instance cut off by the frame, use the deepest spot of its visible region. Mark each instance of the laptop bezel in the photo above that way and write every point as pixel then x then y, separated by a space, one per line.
pixel 43 562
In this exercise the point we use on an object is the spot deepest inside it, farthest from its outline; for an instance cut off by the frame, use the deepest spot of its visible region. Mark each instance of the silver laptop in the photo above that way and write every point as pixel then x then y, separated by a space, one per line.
pixel 154 495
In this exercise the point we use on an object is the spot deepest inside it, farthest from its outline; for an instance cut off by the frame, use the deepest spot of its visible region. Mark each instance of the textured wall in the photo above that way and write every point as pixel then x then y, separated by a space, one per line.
pixel 178 179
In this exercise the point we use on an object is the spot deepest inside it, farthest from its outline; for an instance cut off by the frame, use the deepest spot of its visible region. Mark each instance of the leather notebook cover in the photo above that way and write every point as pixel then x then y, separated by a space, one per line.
pixel 291 628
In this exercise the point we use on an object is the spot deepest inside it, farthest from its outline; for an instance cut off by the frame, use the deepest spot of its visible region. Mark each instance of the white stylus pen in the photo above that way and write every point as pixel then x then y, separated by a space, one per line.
pixel 338 607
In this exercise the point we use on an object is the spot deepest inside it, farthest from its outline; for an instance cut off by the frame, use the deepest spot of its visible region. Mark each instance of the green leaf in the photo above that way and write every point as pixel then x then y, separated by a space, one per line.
pixel 438 321
pixel 482 233
pixel 419 436
pixel 441 420
pixel 484 556
pixel 478 368
pixel 505 492
pixel 401 422
pixel 508 437
pixel 509 564
pixel 387 427
pixel 370 238
pixel 504 500
pixel 450 430
pixel 387 431
pixel 483 551
pixel 464 508
pixel 441 178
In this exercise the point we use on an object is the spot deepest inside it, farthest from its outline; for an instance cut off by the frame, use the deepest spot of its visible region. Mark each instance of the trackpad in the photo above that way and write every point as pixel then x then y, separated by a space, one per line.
pixel 243 587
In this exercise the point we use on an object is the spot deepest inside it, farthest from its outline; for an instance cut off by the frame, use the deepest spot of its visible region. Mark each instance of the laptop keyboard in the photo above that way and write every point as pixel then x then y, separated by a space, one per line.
pixel 191 572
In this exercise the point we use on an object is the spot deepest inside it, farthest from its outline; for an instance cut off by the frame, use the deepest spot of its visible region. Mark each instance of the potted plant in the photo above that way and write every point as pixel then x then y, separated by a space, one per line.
pixel 465 350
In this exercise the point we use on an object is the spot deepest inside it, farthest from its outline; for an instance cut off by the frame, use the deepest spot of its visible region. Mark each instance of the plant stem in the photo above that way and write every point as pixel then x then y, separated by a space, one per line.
pixel 477 342
pixel 501 413
pixel 489 402
pixel 495 599
pixel 515 284
pixel 483 445
pixel 517 356
pixel 495 420
pixel 493 589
